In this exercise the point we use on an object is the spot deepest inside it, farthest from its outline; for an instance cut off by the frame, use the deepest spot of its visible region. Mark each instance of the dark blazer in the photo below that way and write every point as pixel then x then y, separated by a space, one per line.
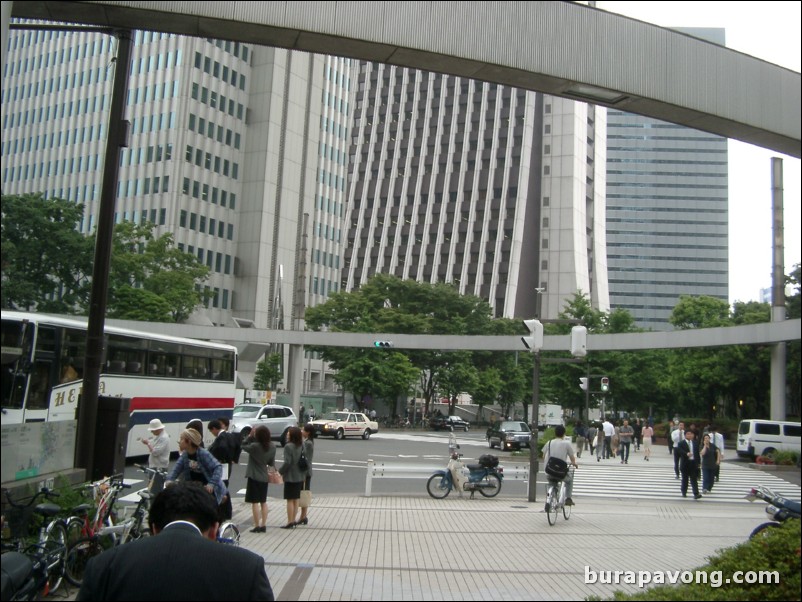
pixel 177 564
pixel 683 448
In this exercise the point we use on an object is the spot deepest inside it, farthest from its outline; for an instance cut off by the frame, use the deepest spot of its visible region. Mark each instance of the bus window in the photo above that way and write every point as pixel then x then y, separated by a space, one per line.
pixel 38 392
pixel 222 369
pixel 125 355
pixel 164 359
pixel 196 367
pixel 73 352
pixel 68 371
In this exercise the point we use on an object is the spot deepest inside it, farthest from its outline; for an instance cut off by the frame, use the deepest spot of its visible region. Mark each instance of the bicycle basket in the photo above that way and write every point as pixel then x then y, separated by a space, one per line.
pixel 488 461
pixel 556 468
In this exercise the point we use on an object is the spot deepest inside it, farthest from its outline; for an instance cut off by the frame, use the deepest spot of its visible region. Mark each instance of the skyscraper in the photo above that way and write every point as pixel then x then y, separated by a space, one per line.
pixel 667 212
pixel 240 152
pixel 495 189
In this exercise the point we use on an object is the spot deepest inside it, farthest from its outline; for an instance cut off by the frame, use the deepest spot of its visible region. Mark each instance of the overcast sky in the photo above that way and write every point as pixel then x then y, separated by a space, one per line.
pixel 770 31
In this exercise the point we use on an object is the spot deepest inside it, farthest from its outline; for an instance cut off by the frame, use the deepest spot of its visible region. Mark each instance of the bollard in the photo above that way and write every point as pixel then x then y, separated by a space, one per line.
pixel 369 479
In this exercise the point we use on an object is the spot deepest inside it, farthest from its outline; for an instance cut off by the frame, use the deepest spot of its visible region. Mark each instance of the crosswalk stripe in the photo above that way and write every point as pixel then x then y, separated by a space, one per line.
pixel 639 481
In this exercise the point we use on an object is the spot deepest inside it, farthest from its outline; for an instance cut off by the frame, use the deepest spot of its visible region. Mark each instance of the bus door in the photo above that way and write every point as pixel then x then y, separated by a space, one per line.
pixel 17 342
pixel 40 382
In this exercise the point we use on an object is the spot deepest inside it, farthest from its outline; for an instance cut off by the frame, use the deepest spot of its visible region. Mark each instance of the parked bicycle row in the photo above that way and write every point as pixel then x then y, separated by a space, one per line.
pixel 44 543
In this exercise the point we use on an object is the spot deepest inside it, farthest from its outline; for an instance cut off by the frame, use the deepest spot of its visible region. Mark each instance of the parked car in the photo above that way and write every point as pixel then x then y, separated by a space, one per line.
pixel 449 423
pixel 345 424
pixel 277 418
pixel 509 434
pixel 764 437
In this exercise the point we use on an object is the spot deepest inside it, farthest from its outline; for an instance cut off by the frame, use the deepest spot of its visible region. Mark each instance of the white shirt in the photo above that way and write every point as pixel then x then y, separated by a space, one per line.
pixel 609 429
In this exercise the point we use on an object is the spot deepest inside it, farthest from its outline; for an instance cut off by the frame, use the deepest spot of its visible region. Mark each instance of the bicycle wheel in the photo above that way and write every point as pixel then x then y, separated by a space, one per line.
pixel 77 558
pixel 438 486
pixel 566 511
pixel 229 534
pixel 55 550
pixel 551 505
pixel 493 485
pixel 75 530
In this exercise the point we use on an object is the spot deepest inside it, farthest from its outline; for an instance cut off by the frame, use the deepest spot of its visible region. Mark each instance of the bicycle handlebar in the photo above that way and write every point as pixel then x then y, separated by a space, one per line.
pixel 43 492
pixel 154 471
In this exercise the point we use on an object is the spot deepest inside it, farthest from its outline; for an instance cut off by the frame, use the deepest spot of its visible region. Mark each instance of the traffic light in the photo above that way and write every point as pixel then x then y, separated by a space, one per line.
pixel 579 341
pixel 605 384
pixel 534 342
pixel 382 344
pixel 583 383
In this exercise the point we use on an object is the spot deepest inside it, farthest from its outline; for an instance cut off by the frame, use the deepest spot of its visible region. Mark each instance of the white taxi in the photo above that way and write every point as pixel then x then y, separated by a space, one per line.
pixel 345 424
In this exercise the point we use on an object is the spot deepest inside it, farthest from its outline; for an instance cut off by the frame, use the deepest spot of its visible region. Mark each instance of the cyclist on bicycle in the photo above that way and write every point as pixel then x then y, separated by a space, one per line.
pixel 562 449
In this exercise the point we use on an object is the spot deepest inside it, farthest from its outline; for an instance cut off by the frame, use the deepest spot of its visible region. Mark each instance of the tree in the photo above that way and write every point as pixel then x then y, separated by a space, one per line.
pixel 150 271
pixel 389 304
pixel 46 261
pixel 268 372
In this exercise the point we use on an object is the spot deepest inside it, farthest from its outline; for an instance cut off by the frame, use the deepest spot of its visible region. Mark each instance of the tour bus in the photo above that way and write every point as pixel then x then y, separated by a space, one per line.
pixel 763 437
pixel 170 378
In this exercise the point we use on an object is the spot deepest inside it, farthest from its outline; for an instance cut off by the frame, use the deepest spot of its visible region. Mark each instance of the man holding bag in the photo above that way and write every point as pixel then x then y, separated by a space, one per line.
pixel 561 449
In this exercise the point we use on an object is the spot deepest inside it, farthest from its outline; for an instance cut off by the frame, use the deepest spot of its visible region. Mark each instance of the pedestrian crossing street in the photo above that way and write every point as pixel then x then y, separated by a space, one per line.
pixel 656 480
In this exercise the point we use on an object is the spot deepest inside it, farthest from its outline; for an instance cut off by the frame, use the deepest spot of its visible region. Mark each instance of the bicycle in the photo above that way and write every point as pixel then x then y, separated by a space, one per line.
pixel 555 499
pixel 90 538
pixel 48 552
pixel 136 526
pixel 228 533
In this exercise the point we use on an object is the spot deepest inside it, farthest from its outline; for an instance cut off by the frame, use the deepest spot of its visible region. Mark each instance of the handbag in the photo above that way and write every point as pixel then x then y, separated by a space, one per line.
pixel 556 468
pixel 303 463
pixel 306 498
pixel 274 476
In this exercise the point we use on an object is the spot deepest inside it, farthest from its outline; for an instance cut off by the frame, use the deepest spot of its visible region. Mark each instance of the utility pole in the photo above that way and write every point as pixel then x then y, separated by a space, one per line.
pixel 534 343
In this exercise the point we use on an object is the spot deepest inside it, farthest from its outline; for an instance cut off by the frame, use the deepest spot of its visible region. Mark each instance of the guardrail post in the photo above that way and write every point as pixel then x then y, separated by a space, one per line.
pixel 369 479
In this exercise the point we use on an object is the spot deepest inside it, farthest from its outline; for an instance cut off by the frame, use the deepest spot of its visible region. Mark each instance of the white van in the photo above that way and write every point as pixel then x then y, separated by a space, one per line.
pixel 762 437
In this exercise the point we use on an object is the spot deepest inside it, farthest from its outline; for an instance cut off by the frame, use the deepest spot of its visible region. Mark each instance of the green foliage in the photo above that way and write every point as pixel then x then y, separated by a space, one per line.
pixel 151 274
pixel 268 372
pixel 46 262
pixel 778 551
pixel 785 458
pixel 389 304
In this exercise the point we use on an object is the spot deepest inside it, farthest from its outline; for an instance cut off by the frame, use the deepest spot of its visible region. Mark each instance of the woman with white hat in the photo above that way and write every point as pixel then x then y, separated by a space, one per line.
pixel 159 446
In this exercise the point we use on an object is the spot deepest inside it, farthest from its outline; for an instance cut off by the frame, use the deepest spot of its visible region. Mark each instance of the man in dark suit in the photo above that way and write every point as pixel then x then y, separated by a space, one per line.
pixel 690 460
pixel 223 448
pixel 182 561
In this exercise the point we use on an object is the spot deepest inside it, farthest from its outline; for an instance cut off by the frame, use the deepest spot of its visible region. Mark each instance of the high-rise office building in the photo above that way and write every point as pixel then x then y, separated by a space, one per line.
pixel 495 189
pixel 240 152
pixel 667 213
pixel 246 155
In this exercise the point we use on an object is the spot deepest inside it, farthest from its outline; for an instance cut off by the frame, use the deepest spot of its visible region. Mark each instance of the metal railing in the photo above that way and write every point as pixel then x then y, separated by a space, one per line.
pixel 397 470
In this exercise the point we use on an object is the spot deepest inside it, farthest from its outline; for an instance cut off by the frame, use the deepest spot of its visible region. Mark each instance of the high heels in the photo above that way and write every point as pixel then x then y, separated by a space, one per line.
pixel 303 521
pixel 259 530
pixel 289 526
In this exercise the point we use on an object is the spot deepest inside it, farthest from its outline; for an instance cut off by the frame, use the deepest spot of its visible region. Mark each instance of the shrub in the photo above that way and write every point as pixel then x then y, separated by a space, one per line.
pixel 777 552
pixel 785 458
